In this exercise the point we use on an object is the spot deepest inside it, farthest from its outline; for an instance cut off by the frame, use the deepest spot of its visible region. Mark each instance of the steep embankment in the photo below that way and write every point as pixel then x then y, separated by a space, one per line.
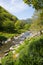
pixel 6 20
pixel 30 54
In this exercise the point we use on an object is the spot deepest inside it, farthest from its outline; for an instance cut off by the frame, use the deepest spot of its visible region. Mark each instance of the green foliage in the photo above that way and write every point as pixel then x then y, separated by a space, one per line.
pixel 7 20
pixel 37 19
pixel 10 23
pixel 19 25
pixel 2 38
pixel 8 60
pixel 37 4
pixel 32 54
pixel 32 51
pixel 8 26
pixel 27 26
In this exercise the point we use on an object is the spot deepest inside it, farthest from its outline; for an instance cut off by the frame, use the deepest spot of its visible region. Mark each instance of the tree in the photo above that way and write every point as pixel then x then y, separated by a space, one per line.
pixel 8 26
pixel 19 25
pixel 27 26
pixel 1 21
pixel 5 18
pixel 37 4
pixel 37 21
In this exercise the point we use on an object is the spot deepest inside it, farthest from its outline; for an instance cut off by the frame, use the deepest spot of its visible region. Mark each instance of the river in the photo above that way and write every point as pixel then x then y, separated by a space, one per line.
pixel 14 41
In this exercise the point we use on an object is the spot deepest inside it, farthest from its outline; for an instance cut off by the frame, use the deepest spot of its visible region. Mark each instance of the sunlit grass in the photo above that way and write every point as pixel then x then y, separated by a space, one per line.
pixel 8 35
pixel 26 43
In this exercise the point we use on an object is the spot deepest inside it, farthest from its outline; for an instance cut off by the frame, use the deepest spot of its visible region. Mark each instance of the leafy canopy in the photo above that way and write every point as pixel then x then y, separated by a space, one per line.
pixel 37 4
pixel 37 20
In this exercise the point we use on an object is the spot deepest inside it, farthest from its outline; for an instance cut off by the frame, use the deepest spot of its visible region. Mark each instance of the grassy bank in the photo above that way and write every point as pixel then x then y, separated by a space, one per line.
pixel 30 53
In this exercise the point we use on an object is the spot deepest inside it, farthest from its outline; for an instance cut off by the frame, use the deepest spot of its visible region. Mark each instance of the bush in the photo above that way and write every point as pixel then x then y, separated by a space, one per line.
pixel 8 60
pixel 32 54
pixel 8 26
pixel 2 38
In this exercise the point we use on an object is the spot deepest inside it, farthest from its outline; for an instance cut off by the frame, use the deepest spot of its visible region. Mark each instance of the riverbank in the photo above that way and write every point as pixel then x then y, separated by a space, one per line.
pixel 14 41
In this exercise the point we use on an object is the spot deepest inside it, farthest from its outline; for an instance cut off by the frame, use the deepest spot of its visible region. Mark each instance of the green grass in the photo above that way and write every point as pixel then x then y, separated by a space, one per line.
pixel 26 42
pixel 32 53
pixel 8 35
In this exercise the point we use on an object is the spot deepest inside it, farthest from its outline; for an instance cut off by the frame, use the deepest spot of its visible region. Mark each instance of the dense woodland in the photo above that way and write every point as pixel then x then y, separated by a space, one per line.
pixel 10 25
pixel 31 52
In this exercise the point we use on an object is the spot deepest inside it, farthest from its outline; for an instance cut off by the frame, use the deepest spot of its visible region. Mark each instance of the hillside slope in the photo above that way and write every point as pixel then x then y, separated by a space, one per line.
pixel 31 53
pixel 6 17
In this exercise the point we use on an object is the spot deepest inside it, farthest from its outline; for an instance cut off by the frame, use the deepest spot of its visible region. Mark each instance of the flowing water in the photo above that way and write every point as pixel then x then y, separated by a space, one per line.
pixel 5 48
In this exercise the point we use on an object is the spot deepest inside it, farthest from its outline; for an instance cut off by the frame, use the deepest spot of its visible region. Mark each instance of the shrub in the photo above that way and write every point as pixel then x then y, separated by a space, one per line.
pixel 32 54
pixel 8 60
